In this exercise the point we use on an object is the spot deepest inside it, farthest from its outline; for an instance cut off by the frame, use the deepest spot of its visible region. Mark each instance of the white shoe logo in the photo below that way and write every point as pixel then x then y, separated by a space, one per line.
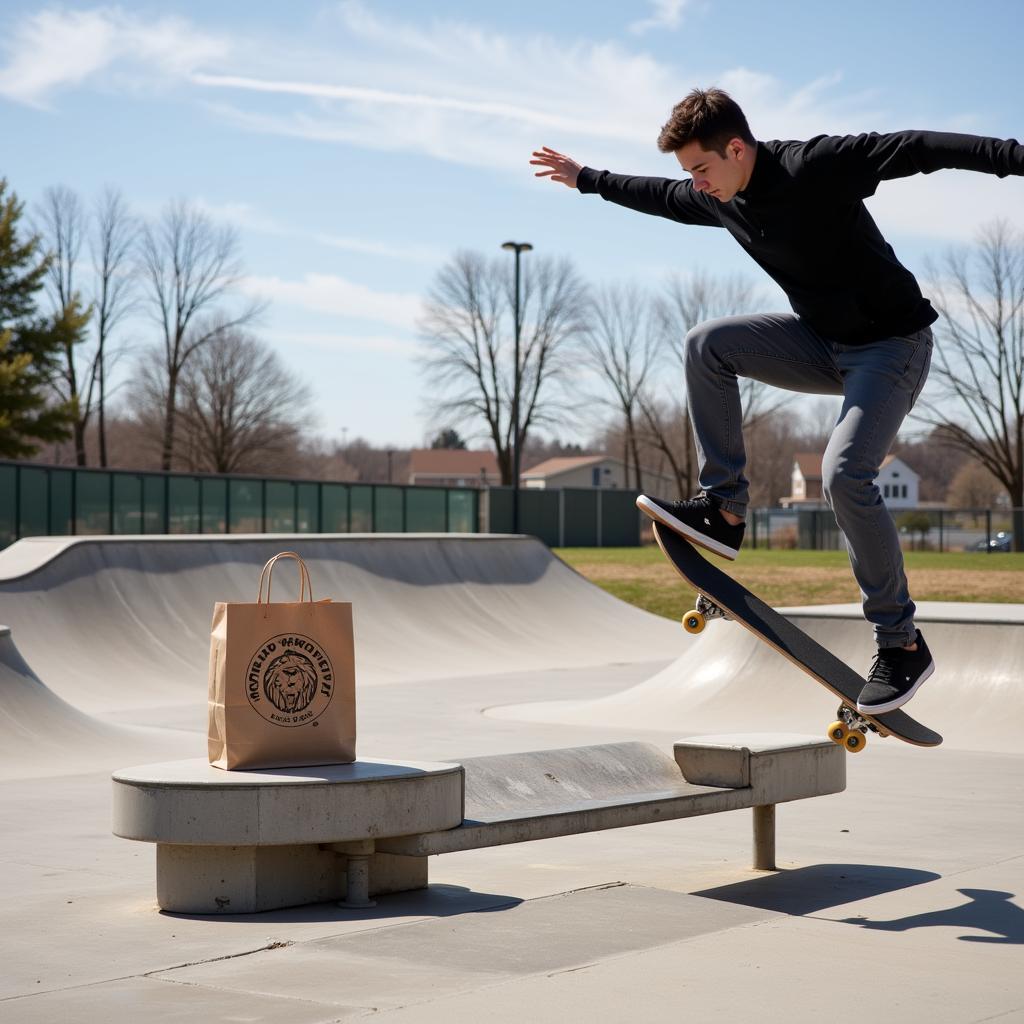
pixel 707 522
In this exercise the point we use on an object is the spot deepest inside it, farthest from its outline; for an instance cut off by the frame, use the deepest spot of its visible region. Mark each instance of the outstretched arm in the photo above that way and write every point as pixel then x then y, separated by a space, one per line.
pixel 673 198
pixel 862 161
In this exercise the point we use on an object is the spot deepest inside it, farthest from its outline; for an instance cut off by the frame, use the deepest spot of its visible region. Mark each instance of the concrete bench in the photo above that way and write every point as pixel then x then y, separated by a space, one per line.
pixel 220 853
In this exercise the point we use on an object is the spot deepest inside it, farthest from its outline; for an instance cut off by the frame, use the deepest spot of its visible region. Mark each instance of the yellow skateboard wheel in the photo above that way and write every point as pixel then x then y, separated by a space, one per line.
pixel 694 622
pixel 855 741
pixel 837 733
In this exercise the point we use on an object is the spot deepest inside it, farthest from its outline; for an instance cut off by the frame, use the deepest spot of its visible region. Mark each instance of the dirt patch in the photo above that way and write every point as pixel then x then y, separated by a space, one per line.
pixel 658 587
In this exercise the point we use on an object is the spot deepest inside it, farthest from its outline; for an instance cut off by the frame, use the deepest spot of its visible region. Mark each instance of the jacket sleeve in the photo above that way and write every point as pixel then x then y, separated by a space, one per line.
pixel 673 198
pixel 857 163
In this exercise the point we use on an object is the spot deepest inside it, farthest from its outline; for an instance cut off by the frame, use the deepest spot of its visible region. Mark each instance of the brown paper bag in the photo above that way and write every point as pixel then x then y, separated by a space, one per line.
pixel 282 680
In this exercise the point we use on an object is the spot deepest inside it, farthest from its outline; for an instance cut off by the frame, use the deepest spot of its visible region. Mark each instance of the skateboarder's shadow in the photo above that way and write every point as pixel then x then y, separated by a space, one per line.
pixel 986 910
pixel 808 891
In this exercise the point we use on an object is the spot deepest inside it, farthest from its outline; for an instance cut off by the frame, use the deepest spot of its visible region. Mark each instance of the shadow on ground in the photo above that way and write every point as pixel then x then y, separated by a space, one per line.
pixel 805 891
pixel 986 910
pixel 819 887
pixel 434 901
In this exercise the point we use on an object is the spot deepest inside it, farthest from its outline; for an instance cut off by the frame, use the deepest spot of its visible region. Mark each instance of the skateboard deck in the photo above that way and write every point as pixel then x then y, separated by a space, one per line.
pixel 738 603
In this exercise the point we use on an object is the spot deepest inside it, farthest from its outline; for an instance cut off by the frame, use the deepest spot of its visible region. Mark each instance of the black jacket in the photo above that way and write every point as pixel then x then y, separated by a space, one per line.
pixel 802 218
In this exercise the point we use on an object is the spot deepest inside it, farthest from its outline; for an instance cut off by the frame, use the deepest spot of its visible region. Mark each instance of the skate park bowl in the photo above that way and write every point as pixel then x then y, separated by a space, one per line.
pixel 489 647
pixel 975 698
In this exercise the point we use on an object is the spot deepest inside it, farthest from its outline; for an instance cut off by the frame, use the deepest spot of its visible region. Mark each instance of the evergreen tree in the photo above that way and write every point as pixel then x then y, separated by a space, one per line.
pixel 448 439
pixel 30 344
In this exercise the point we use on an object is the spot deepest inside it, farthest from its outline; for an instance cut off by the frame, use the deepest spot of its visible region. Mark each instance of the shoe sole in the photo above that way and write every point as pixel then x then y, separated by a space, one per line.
pixel 659 515
pixel 892 705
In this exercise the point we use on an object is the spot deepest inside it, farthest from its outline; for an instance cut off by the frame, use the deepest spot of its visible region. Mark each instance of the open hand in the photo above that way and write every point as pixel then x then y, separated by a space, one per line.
pixel 560 168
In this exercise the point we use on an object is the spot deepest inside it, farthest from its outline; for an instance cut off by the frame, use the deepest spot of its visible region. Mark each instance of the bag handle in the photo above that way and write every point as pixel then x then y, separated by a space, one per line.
pixel 305 583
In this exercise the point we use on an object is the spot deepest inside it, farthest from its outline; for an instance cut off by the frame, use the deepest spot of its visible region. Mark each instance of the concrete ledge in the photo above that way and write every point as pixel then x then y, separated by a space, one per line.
pixel 540 794
pixel 191 803
pixel 245 841
pixel 777 766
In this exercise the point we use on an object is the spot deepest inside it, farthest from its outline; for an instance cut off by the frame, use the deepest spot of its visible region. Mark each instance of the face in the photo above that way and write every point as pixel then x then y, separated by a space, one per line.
pixel 721 177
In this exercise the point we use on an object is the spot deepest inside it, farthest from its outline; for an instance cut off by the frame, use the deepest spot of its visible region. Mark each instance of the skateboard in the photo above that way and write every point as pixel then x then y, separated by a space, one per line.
pixel 720 596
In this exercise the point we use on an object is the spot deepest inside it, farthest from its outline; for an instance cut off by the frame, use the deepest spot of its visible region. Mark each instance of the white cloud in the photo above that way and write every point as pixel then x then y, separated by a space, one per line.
pixel 337 296
pixel 470 96
pixel 57 48
pixel 666 14
pixel 377 344
pixel 244 215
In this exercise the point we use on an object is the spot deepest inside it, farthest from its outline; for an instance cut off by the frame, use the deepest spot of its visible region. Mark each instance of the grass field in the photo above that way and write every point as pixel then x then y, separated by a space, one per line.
pixel 643 577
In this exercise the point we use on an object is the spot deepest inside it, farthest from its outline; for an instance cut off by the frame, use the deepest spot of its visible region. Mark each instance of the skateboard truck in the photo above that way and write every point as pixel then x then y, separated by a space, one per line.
pixel 850 729
pixel 695 621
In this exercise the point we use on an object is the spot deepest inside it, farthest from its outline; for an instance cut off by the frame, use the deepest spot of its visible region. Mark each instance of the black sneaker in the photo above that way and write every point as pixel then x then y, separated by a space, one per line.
pixel 698 520
pixel 896 675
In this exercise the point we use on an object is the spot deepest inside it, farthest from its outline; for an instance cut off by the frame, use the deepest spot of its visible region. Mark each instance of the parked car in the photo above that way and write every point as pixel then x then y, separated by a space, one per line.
pixel 1002 541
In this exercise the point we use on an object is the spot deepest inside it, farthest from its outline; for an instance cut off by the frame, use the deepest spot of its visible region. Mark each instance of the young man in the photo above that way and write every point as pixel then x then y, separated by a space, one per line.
pixel 860 328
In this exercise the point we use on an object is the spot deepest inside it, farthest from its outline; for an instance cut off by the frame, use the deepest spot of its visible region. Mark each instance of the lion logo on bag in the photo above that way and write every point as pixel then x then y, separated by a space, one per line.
pixel 290 680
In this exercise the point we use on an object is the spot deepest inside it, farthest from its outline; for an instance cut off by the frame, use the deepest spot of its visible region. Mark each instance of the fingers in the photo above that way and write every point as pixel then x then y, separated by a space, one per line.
pixel 546 155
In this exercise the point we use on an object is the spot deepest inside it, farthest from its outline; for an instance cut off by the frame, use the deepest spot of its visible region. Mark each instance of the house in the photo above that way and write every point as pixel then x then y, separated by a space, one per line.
pixel 589 471
pixel 453 467
pixel 898 483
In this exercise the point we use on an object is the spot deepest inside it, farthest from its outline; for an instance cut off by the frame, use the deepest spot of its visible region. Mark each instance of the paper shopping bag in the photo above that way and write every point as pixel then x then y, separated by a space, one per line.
pixel 282 680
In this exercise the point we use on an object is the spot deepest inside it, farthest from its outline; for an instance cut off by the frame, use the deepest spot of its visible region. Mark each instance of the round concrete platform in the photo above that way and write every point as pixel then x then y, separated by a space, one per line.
pixel 192 803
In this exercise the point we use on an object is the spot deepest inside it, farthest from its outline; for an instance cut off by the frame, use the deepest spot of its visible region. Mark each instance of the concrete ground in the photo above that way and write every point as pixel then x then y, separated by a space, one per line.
pixel 900 899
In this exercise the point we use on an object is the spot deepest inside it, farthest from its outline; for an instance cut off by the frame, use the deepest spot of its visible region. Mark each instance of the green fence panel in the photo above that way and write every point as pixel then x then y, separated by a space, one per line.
pixel 499 510
pixel 620 519
pixel 245 501
pixel 280 507
pixel 361 520
pixel 425 510
pixel 335 508
pixel 213 505
pixel 307 508
pixel 581 517
pixel 32 503
pixel 92 503
pixel 61 504
pixel 182 504
pixel 539 515
pixel 389 510
pixel 8 505
pixel 127 503
pixel 463 511
pixel 154 503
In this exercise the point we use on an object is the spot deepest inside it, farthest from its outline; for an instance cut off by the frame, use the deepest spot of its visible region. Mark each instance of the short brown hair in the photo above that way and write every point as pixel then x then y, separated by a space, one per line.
pixel 709 116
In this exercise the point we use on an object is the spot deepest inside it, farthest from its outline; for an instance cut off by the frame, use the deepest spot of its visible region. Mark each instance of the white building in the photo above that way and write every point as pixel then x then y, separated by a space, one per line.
pixel 597 471
pixel 898 483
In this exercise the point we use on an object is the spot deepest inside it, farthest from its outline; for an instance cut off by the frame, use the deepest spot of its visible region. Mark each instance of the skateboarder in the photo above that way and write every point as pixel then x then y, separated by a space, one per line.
pixel 860 328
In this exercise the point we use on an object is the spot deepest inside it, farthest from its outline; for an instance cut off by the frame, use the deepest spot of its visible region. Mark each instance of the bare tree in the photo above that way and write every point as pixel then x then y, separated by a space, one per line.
pixel 691 300
pixel 62 227
pixel 190 266
pixel 666 428
pixel 468 330
pixel 623 342
pixel 112 241
pixel 241 409
pixel 977 398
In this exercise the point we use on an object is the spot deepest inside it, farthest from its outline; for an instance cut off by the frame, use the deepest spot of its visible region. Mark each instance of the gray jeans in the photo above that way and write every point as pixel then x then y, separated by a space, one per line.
pixel 879 382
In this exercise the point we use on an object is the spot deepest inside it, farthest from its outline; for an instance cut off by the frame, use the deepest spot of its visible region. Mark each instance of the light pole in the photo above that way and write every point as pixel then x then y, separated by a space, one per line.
pixel 517 248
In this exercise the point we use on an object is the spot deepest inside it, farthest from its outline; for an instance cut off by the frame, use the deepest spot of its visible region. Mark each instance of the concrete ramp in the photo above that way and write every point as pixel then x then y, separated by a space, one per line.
pixel 728 679
pixel 44 735
pixel 116 623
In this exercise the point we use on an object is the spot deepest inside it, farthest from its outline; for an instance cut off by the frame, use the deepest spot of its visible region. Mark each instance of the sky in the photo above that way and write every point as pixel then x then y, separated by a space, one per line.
pixel 357 146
